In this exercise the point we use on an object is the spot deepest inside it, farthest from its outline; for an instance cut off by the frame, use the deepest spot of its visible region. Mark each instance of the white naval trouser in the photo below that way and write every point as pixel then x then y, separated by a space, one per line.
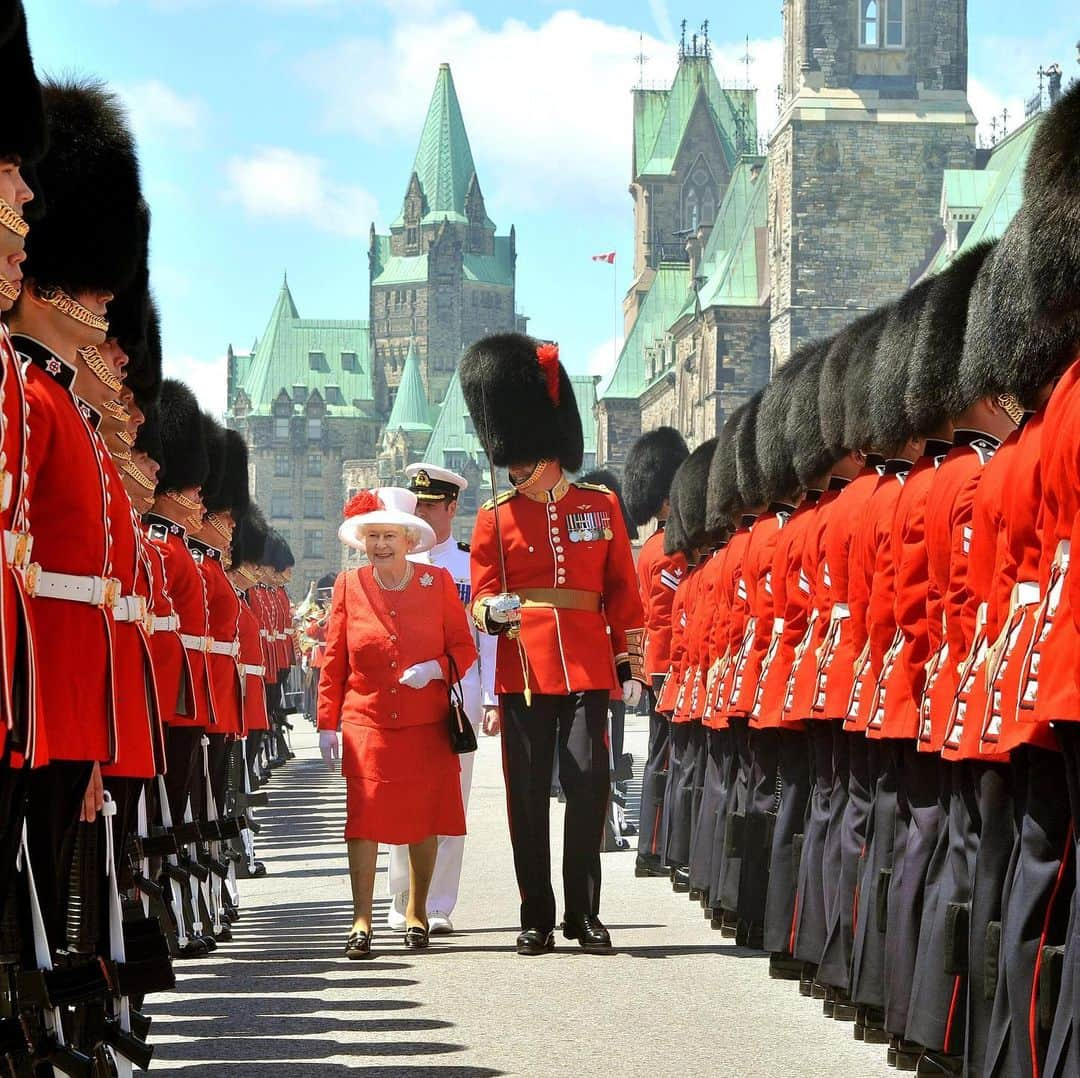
pixel 443 893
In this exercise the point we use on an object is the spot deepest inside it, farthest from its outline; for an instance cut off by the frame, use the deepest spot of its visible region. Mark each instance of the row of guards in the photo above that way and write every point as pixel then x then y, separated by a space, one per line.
pixel 145 631
pixel 863 633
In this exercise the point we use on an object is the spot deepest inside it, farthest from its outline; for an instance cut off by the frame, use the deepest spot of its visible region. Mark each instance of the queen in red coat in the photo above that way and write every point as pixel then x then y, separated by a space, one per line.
pixel 396 636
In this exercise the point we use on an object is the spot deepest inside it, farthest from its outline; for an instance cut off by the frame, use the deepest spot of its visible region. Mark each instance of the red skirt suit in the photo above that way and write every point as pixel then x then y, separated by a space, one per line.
pixel 402 779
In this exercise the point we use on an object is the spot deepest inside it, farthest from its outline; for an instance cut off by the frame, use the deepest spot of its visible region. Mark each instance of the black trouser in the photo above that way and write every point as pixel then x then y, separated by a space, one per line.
pixel 728 847
pixel 699 758
pixel 1035 902
pixel 183 758
pixel 810 921
pixel 54 801
pixel 762 804
pixel 793 790
pixel 718 757
pixel 679 796
pixel 218 766
pixel 575 727
pixel 12 813
pixel 920 816
pixel 854 834
pixel 868 956
pixel 655 778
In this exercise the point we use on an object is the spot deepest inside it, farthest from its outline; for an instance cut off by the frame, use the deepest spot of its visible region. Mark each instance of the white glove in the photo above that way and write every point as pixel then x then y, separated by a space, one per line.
pixel 631 693
pixel 329 746
pixel 416 677
pixel 504 609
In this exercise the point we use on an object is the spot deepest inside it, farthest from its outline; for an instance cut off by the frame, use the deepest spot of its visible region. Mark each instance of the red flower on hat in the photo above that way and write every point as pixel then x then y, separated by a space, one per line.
pixel 366 501
pixel 548 357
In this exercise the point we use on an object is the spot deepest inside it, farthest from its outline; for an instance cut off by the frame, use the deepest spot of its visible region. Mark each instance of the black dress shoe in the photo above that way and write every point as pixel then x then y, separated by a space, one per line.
pixel 358 945
pixel 783 967
pixel 416 938
pixel 535 941
pixel 680 880
pixel 694 894
pixel 648 865
pixel 588 930
pixel 939 1065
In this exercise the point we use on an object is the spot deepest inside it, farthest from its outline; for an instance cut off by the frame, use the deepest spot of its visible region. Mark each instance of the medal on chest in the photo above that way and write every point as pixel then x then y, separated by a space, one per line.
pixel 588 527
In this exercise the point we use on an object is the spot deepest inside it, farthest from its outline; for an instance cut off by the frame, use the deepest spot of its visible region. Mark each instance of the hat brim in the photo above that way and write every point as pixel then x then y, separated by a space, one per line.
pixel 351 527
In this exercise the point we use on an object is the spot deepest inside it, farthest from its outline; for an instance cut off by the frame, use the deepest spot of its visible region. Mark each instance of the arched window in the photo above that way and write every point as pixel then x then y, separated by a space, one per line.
pixel 868 36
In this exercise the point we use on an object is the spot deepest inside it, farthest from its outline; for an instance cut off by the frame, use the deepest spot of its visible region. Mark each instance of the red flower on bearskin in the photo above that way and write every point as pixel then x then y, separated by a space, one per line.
pixel 365 501
pixel 548 357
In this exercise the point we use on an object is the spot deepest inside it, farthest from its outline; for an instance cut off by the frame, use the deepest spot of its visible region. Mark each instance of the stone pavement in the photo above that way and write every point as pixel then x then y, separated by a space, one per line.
pixel 282 1001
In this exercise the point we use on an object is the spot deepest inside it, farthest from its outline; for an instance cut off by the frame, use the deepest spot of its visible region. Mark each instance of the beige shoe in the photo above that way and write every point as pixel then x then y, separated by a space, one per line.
pixel 440 925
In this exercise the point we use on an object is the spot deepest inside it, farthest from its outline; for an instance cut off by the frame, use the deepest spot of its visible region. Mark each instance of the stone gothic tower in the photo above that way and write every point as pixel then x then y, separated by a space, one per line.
pixel 874 110
pixel 442 278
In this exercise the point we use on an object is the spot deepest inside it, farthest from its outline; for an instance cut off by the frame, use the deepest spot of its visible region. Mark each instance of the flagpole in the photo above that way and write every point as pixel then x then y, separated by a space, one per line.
pixel 615 308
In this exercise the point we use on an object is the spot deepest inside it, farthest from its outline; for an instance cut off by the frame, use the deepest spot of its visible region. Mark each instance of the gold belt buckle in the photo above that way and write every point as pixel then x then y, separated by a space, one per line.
pixel 22 549
pixel 112 592
pixel 32 576
pixel 208 644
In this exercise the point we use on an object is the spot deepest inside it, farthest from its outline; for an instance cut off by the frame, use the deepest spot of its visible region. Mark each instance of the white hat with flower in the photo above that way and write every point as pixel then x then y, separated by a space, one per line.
pixel 385 506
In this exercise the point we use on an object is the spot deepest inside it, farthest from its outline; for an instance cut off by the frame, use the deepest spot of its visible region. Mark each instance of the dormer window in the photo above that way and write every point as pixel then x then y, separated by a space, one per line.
pixel 317 361
pixel 349 362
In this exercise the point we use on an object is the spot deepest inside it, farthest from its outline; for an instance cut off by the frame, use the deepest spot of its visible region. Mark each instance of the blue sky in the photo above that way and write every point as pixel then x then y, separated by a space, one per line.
pixel 273 132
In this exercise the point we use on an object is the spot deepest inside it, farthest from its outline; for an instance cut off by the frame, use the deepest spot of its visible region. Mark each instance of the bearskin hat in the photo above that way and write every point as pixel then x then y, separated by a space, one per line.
pixel 277 554
pixel 249 537
pixel 129 309
pixel 890 420
pixel 1007 347
pixel 810 455
pixel 214 439
pixel 521 401
pixel 775 450
pixel 747 468
pixel 185 460
pixel 844 401
pixel 675 541
pixel 23 132
pixel 601 477
pixel 231 494
pixel 1052 202
pixel 688 489
pixel 148 436
pixel 650 467
pixel 91 237
pixel 144 369
pixel 934 393
pixel 723 500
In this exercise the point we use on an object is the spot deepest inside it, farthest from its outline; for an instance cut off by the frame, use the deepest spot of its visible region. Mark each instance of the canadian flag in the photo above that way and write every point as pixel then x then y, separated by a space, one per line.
pixel 609 258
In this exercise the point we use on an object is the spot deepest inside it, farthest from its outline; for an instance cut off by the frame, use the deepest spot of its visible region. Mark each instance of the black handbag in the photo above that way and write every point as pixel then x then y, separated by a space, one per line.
pixel 462 734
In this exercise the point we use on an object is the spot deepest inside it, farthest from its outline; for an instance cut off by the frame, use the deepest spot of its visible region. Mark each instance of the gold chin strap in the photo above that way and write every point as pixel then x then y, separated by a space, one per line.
pixel 527 484
pixel 222 529
pixel 127 439
pixel 116 410
pixel 1011 407
pixel 96 365
pixel 9 290
pixel 12 220
pixel 59 299
pixel 138 475
pixel 247 574
pixel 184 503
pixel 121 455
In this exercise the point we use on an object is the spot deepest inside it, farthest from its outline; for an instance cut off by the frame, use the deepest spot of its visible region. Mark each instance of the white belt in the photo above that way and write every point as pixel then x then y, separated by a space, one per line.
pixel 263 632
pixel 840 612
pixel 224 647
pixel 18 546
pixel 130 608
pixel 255 671
pixel 167 625
pixel 1061 555
pixel 778 625
pixel 93 590
pixel 196 643
pixel 1024 593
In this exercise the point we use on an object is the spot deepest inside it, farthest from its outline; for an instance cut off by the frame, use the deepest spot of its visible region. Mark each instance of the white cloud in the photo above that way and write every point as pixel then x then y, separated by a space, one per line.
pixel 205 377
pixel 278 182
pixel 159 113
pixel 548 107
pixel 602 358
pixel 990 104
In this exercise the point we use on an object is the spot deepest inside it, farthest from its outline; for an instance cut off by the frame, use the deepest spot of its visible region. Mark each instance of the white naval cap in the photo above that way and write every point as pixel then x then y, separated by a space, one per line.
pixel 429 482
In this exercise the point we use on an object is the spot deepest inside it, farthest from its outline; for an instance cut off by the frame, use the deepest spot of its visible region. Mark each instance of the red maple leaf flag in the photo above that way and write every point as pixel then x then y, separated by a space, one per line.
pixel 609 258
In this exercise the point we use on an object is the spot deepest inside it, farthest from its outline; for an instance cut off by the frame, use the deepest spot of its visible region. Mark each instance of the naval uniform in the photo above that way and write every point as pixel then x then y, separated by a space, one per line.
pixel 567 556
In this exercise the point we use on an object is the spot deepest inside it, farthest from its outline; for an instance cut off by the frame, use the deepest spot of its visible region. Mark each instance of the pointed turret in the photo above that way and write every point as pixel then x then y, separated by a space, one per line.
pixel 411 411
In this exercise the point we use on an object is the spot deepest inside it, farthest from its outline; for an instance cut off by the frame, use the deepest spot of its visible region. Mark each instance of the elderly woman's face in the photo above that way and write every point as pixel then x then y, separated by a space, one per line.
pixel 385 544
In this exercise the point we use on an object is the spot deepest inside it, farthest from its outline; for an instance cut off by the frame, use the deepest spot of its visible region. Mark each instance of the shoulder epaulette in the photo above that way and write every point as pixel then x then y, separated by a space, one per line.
pixel 593 486
pixel 504 497
pixel 464 546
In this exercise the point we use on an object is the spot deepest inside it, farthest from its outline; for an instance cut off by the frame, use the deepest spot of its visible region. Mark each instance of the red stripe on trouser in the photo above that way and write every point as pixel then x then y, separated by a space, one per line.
pixel 794 924
pixel 1033 1005
pixel 952 1013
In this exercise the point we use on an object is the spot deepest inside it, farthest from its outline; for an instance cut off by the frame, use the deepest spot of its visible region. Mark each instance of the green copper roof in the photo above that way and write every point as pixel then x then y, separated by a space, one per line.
pixel 331 356
pixel 411 411
pixel 497 269
pixel 444 162
pixel 454 434
pixel 659 310
pixel 658 135
pixel 1001 186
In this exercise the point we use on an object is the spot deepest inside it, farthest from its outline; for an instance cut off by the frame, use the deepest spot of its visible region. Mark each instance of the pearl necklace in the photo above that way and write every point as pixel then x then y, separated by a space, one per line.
pixel 400 585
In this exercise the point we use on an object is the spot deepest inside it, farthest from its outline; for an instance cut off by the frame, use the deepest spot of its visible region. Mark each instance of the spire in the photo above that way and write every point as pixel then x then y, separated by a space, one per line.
pixel 411 411
pixel 284 308
pixel 444 162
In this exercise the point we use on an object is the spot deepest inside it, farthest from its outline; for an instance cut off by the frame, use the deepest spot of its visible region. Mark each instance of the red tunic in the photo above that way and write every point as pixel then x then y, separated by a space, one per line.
pixel 658 576
pixel 669 693
pixel 68 490
pixel 846 591
pixel 18 665
pixel 791 614
pixel 704 606
pixel 223 617
pixel 576 541
pixel 728 632
pixel 403 778
pixel 251 658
